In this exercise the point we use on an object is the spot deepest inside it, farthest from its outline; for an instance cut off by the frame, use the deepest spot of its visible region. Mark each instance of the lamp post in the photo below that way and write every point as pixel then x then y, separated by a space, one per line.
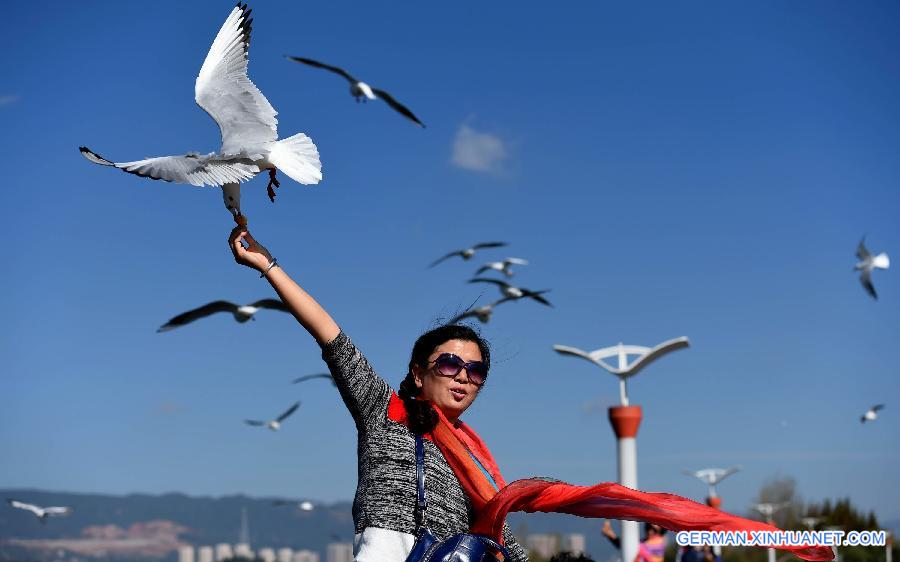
pixel 712 476
pixel 625 418
pixel 768 510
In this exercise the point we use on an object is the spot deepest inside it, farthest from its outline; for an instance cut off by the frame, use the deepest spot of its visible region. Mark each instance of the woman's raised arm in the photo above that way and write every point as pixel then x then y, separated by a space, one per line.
pixel 304 308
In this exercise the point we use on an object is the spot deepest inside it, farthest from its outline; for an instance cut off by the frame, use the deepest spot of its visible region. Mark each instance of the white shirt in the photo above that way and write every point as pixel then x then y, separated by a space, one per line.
pixel 375 544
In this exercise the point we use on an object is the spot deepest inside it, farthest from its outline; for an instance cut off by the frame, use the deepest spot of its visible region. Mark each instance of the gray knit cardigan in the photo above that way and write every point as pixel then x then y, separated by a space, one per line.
pixel 386 492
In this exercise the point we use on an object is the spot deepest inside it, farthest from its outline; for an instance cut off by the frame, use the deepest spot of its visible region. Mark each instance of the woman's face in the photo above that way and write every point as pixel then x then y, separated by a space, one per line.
pixel 451 394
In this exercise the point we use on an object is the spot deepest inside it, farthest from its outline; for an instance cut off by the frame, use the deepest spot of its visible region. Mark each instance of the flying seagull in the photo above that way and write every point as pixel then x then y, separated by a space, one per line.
pixel 316 376
pixel 514 292
pixel 482 313
pixel 468 252
pixel 872 413
pixel 42 513
pixel 246 121
pixel 275 424
pixel 502 266
pixel 242 313
pixel 362 91
pixel 302 506
pixel 867 263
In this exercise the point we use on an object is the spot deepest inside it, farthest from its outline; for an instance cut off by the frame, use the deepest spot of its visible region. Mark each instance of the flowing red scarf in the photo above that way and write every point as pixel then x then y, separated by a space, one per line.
pixel 459 443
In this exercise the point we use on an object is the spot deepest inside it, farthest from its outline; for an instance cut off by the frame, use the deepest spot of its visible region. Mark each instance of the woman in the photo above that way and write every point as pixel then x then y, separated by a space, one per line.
pixel 447 370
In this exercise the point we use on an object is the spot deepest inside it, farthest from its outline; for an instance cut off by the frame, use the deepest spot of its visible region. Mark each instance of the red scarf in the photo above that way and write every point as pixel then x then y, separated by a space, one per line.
pixel 459 443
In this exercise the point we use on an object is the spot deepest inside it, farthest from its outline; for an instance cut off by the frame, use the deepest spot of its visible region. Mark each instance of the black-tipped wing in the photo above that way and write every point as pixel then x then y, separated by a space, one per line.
pixel 273 304
pixel 289 411
pixel 328 67
pixel 450 255
pixel 192 169
pixel 245 117
pixel 489 245
pixel 497 282
pixel 311 377
pixel 877 407
pixel 866 279
pixel 255 423
pixel 197 313
pixel 536 295
pixel 861 251
pixel 397 106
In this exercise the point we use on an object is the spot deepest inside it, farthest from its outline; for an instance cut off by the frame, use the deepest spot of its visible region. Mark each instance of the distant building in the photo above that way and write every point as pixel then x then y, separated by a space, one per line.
pixel 223 552
pixel 542 544
pixel 186 553
pixel 339 552
pixel 306 556
pixel 242 550
pixel 205 554
pixel 284 555
pixel 267 554
pixel 574 543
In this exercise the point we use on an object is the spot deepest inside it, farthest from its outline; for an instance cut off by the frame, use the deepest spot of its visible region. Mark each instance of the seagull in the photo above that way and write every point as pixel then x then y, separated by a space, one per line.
pixel 469 252
pixel 712 476
pixel 867 263
pixel 42 513
pixel 483 313
pixel 514 292
pixel 302 506
pixel 316 376
pixel 242 313
pixel 275 424
pixel 502 266
pixel 246 121
pixel 872 413
pixel 362 91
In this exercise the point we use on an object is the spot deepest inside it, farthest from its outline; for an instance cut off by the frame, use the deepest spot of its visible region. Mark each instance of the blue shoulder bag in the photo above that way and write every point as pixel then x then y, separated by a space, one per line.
pixel 464 547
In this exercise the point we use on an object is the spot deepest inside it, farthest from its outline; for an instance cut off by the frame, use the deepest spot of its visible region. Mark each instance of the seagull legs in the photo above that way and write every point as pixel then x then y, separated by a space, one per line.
pixel 273 181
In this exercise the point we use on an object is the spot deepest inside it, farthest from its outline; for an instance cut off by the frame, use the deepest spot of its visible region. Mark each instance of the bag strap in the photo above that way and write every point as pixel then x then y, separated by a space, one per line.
pixel 421 501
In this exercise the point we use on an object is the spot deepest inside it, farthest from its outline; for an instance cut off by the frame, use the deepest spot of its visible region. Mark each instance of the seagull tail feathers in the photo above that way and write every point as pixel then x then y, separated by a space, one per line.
pixel 298 157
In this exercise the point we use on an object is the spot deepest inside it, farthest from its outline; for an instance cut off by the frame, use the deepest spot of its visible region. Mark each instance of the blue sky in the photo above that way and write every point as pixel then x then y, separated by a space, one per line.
pixel 694 169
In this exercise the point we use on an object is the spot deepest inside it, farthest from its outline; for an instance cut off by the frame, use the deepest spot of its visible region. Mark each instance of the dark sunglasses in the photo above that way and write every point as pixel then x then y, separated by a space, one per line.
pixel 449 365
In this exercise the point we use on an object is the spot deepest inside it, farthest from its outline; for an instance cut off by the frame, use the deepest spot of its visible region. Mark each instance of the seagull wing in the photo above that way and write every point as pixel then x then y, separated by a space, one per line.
pixel 877 407
pixel 58 511
pixel 536 295
pixel 397 106
pixel 255 423
pixel 311 377
pixel 245 117
pixel 450 255
pixel 197 313
pixel 497 282
pixel 272 304
pixel 289 411
pixel 484 268
pixel 318 64
pixel 866 279
pixel 861 251
pixel 489 245
pixel 192 169
pixel 516 261
pixel 26 506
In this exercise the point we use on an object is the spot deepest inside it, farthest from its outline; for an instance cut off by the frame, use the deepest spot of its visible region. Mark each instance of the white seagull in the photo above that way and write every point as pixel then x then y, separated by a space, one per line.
pixel 275 424
pixel 502 266
pixel 42 513
pixel 316 376
pixel 302 506
pixel 867 263
pixel 872 413
pixel 246 120
pixel 468 252
pixel 483 313
pixel 362 91
pixel 242 312
pixel 513 291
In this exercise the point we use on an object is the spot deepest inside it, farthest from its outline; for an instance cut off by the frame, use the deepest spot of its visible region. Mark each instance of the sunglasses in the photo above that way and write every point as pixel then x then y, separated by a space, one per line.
pixel 449 365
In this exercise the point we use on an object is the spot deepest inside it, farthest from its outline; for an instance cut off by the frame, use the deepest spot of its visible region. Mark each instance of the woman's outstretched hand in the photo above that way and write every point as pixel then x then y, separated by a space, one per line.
pixel 254 255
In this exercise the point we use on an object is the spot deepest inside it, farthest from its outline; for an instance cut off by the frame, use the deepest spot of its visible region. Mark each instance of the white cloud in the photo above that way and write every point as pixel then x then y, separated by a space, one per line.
pixel 8 100
pixel 477 151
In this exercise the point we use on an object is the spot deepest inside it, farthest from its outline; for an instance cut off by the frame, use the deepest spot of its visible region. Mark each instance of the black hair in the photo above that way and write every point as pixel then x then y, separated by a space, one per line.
pixel 420 413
